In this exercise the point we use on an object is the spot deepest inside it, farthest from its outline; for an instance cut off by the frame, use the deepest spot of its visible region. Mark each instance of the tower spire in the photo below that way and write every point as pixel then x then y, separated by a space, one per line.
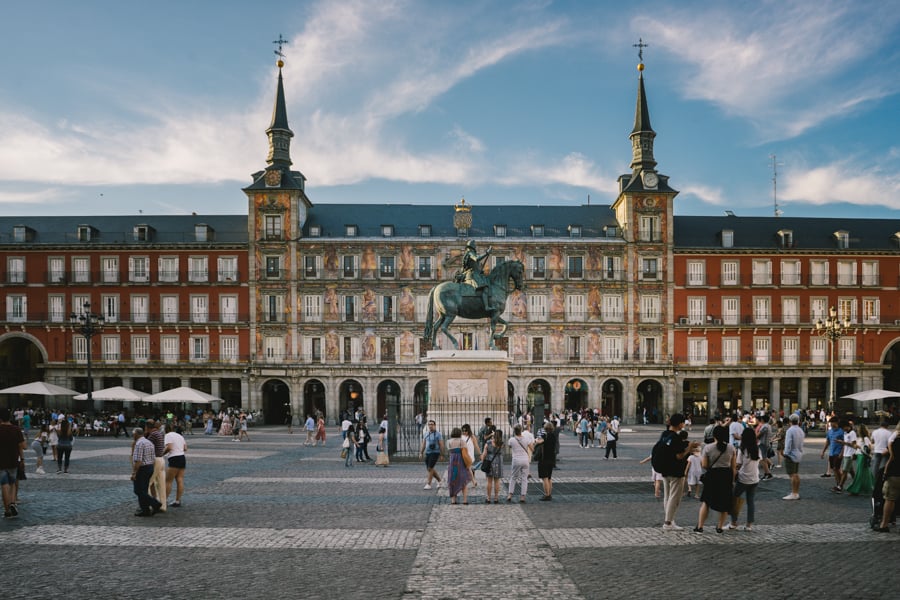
pixel 279 132
pixel 642 134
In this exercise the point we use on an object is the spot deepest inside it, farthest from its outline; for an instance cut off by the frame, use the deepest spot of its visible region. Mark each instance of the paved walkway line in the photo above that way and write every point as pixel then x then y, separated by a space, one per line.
pixel 820 533
pixel 215 537
pixel 481 551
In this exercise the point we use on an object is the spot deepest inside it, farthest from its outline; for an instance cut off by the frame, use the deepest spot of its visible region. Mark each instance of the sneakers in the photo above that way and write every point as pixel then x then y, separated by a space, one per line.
pixel 175 504
pixel 40 471
pixel 672 527
pixel 545 499
pixel 13 510
pixel 792 497
pixel 440 484
pixel 427 486
pixel 766 476
pixel 731 526
pixel 825 475
pixel 697 530
pixel 837 489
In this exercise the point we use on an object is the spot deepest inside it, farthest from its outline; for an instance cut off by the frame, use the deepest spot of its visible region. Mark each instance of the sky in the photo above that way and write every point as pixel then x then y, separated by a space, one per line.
pixel 112 107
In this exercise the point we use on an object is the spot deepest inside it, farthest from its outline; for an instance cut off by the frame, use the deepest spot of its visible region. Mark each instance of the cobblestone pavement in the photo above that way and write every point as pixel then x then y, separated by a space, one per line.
pixel 274 517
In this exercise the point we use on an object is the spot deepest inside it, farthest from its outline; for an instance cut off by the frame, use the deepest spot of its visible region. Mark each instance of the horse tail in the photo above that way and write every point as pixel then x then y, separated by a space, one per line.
pixel 429 316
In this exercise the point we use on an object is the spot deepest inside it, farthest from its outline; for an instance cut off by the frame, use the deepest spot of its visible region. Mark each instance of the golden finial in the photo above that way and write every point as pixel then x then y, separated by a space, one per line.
pixel 462 206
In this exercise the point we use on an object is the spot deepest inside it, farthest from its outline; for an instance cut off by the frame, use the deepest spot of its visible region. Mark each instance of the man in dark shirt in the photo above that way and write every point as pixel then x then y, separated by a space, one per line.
pixel 12 448
pixel 158 480
pixel 891 487
pixel 673 480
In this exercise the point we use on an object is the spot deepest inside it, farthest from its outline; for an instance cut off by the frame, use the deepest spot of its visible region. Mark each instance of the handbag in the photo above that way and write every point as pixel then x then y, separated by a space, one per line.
pixel 344 452
pixel 346 443
pixel 538 454
pixel 467 460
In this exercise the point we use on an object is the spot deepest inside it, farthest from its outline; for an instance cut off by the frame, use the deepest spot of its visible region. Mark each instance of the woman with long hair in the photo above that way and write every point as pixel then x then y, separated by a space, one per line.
pixel 64 445
pixel 863 481
pixel 719 461
pixel 493 456
pixel 748 458
pixel 458 471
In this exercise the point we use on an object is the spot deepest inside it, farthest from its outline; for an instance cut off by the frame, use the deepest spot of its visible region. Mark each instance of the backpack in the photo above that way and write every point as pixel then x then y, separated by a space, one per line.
pixel 662 457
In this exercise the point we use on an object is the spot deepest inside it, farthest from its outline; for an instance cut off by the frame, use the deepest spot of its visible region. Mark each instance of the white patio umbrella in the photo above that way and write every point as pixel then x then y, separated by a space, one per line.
pixel 39 388
pixel 869 395
pixel 119 393
pixel 183 394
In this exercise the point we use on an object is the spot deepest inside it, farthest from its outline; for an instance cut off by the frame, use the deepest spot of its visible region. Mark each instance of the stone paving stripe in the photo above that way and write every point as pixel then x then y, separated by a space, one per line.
pixel 479 552
pixel 214 537
pixel 820 533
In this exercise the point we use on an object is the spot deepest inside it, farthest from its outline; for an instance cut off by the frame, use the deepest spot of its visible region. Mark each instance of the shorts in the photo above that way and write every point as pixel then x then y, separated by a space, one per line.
pixel 791 467
pixel 545 471
pixel 835 462
pixel 177 462
pixel 8 476
pixel 847 463
pixel 891 489
pixel 431 459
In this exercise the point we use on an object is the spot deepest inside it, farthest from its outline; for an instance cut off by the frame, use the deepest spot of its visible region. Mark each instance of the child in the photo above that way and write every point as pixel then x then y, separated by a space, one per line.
pixel 656 478
pixel 694 470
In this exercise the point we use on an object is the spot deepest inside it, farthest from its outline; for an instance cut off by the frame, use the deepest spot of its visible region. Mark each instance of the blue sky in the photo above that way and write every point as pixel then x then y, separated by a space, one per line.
pixel 127 107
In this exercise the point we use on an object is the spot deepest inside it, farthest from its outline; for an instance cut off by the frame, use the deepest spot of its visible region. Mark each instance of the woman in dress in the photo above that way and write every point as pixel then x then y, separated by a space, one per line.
pixel 320 430
pixel 863 481
pixel 719 461
pixel 381 453
pixel 474 450
pixel 520 447
pixel 38 445
pixel 748 458
pixel 459 475
pixel 547 460
pixel 66 435
pixel 54 436
pixel 493 456
pixel 225 427
pixel 245 428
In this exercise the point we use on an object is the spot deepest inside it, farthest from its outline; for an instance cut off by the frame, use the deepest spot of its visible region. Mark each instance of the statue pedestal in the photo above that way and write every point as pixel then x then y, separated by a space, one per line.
pixel 466 386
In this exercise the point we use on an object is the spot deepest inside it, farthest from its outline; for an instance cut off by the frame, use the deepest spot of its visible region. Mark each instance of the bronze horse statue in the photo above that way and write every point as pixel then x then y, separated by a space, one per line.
pixel 452 300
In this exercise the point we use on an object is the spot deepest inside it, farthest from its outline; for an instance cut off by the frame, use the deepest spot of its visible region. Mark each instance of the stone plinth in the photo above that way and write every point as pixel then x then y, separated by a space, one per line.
pixel 465 386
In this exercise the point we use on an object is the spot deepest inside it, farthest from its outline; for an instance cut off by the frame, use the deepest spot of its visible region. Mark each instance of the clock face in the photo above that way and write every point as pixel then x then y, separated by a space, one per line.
pixel 650 180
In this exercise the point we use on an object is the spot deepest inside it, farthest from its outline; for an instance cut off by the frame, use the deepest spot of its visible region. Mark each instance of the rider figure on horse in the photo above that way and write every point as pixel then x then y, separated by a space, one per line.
pixel 473 271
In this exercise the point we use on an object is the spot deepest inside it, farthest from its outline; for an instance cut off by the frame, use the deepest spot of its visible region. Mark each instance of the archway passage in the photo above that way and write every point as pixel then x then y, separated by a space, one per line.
pixel 313 400
pixel 538 394
pixel 649 397
pixel 19 360
pixel 576 394
pixel 611 403
pixel 276 402
pixel 351 398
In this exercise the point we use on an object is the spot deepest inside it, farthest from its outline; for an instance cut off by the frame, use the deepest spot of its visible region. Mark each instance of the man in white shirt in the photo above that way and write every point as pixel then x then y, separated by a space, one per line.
pixel 848 453
pixel 310 431
pixel 736 430
pixel 345 425
pixel 880 439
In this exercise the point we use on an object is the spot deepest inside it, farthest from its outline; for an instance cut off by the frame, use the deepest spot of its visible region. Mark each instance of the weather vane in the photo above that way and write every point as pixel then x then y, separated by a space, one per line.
pixel 640 46
pixel 279 53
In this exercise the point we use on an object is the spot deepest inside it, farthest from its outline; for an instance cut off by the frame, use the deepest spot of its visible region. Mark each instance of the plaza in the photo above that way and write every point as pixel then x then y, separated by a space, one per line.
pixel 274 518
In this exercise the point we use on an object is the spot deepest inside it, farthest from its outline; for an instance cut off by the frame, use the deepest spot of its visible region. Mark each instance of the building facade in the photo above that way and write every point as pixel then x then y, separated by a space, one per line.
pixel 296 307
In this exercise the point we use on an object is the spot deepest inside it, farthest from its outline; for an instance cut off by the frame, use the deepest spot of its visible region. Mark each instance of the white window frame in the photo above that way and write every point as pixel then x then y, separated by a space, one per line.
pixel 227 268
pixel 139 269
pixel 731 351
pixel 790 310
pixel 199 348
pixel 15 269
pixel 312 308
pixel 81 269
pixel 730 272
pixel 56 308
pixel 199 308
pixel 273 349
pixel 762 350
pixel 696 310
pixel 791 272
pixel 818 272
pixel 110 307
pixel 790 351
pixel 198 271
pixel 762 271
pixel 140 349
pixel 169 351
pixel 818 351
pixel 167 269
pixel 613 349
pixel 16 308
pixel 228 308
pixel 846 349
pixel 110 349
pixel 109 269
pixel 846 272
pixel 229 349
pixel 168 306
pixel 731 310
pixel 57 269
pixel 871 311
pixel 650 308
pixel 140 308
pixel 575 307
pixel 697 351
pixel 537 308
pixel 762 310
pixel 613 310
pixel 696 273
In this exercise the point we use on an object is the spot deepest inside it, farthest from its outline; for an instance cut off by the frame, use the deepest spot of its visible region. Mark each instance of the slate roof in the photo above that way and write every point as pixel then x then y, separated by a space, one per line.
pixel 406 219
pixel 809 234
pixel 167 229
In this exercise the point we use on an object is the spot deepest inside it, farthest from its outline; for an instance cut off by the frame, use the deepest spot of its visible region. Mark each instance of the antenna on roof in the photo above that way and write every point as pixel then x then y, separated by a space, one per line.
pixel 589 199
pixel 775 165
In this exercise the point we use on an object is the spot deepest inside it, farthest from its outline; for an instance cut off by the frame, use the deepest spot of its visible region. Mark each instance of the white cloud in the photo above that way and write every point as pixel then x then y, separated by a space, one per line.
pixel 842 182
pixel 575 170
pixel 710 195
pixel 777 63
pixel 32 197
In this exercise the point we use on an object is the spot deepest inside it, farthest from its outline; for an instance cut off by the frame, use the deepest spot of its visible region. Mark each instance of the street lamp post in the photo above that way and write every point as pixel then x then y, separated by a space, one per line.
pixel 832 328
pixel 87 324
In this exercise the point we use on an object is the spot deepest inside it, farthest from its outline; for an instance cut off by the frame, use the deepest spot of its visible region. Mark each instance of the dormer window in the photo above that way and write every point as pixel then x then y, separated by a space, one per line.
pixel 896 238
pixel 22 233
pixel 84 233
pixel 728 238
pixel 202 233
pixel 351 230
pixel 387 231
pixel 842 238
pixel 500 230
pixel 537 230
pixel 575 231
pixel 786 238
pixel 141 233
pixel 315 231
pixel 424 230
pixel 611 231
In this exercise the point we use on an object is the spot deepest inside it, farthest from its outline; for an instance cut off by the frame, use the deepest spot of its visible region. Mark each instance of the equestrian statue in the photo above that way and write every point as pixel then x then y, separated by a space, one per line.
pixel 473 295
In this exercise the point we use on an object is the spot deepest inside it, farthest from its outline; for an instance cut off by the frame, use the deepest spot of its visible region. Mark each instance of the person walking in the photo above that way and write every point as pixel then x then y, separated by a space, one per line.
pixel 320 430
pixel 351 445
pixel 492 455
pixel 719 461
pixel 65 440
pixel 833 438
pixel 432 449
pixel 143 457
pixel 38 446
pixel 748 460
pixel 175 448
pixel 458 473
pixel 381 452
pixel 793 454
pixel 546 445
pixel 521 446
pixel 310 431
pixel 612 436
pixel 881 439
pixel 474 449
pixel 863 481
